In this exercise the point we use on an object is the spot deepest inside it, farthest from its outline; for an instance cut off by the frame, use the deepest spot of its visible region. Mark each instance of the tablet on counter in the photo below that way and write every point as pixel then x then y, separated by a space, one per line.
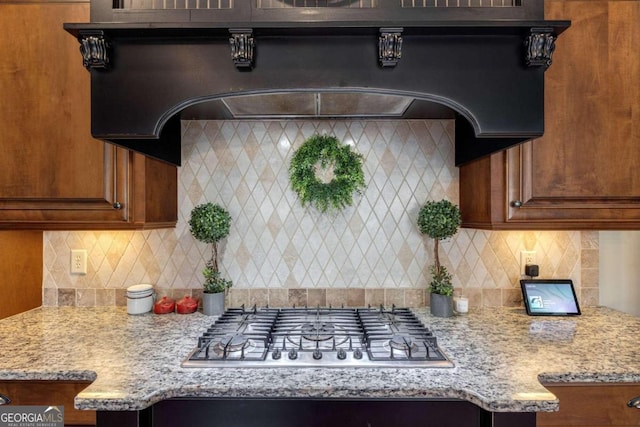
pixel 556 297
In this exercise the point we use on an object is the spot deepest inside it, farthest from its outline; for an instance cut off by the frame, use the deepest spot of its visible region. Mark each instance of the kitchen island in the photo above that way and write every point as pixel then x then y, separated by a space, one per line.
pixel 501 356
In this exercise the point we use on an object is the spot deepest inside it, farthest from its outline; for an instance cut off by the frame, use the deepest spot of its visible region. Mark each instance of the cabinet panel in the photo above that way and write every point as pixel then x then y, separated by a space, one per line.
pixel 21 271
pixel 54 393
pixel 53 175
pixel 592 405
pixel 583 173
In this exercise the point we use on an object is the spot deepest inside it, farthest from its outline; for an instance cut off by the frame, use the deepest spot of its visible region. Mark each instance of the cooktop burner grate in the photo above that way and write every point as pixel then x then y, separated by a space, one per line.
pixel 317 337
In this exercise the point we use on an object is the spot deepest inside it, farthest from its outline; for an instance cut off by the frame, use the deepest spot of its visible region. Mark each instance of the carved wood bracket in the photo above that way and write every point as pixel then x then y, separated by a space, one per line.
pixel 389 46
pixel 242 47
pixel 94 48
pixel 540 43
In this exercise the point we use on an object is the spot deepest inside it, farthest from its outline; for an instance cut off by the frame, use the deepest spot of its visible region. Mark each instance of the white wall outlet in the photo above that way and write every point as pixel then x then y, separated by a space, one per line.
pixel 78 261
pixel 526 257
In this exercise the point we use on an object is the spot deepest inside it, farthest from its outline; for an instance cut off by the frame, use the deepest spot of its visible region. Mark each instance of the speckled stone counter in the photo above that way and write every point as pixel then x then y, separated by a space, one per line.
pixel 501 355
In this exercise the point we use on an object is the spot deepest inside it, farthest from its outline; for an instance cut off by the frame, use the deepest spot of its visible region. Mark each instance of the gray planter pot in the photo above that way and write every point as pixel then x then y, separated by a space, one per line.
pixel 441 305
pixel 213 304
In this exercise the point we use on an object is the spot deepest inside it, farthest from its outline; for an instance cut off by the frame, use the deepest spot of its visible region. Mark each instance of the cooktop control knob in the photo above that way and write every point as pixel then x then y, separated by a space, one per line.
pixel 317 354
pixel 342 354
pixel 293 354
pixel 357 354
pixel 276 354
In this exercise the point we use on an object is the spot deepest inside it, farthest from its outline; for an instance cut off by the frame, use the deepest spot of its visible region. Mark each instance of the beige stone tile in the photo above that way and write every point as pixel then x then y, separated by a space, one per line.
pixel 105 297
pixel 355 297
pixel 589 297
pixel 66 297
pixel 121 297
pixel 590 239
pixel 474 295
pixel 589 258
pixel 238 297
pixel 317 297
pixel 414 297
pixel 86 297
pixel 590 278
pixel 197 294
pixel 259 297
pixel 50 297
pixel 394 296
pixel 278 297
pixel 491 297
pixel 171 258
pixel 337 297
pixel 373 297
pixel 511 298
pixel 297 298
pixel 164 292
pixel 179 293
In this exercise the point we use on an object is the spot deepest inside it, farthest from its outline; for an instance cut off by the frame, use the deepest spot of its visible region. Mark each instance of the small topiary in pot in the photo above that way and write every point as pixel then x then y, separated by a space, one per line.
pixel 210 223
pixel 440 220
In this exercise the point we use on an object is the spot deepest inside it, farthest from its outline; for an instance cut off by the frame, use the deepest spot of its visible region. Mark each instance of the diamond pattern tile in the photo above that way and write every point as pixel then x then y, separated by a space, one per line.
pixel 276 243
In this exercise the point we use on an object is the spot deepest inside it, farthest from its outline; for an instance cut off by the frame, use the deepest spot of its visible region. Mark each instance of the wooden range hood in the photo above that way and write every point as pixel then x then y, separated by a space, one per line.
pixel 150 69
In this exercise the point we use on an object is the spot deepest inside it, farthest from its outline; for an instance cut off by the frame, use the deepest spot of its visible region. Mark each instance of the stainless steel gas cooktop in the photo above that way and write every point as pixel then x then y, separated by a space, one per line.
pixel 318 337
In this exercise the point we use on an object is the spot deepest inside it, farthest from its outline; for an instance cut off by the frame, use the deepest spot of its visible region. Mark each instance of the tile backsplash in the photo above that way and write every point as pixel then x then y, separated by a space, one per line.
pixel 279 253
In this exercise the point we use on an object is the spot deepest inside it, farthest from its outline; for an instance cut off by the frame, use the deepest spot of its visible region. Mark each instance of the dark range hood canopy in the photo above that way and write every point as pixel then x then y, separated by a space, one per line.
pixel 488 74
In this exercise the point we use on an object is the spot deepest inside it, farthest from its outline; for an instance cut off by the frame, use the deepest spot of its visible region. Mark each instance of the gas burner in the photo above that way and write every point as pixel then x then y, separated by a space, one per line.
pixel 402 342
pixel 231 343
pixel 318 331
pixel 318 337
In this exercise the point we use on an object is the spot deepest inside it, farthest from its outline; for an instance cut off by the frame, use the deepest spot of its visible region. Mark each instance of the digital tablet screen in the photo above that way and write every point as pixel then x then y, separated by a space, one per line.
pixel 549 297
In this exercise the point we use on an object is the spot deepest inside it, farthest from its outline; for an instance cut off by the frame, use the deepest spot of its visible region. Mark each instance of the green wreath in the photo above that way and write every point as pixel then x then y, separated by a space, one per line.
pixel 326 173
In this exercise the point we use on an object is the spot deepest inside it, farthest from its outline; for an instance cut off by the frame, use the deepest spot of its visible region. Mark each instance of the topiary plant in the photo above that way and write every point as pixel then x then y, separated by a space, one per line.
pixel 210 223
pixel 439 220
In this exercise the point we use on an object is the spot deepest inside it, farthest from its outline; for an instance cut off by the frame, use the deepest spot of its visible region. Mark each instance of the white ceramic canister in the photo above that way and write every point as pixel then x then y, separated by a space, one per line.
pixel 140 298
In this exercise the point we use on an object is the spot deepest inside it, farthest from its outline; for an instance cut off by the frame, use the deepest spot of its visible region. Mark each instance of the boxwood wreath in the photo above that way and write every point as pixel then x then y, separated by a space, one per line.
pixel 326 173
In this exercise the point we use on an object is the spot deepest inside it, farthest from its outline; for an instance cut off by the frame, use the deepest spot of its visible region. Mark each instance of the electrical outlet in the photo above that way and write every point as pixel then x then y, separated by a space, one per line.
pixel 78 261
pixel 526 257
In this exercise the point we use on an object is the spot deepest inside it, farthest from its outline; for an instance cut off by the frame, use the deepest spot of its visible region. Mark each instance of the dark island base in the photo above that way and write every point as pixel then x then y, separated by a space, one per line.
pixel 314 413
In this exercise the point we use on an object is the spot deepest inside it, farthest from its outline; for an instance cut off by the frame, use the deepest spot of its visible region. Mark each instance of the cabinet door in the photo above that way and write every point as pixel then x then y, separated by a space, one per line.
pixel 583 173
pixel 21 271
pixel 594 405
pixel 53 174
pixel 585 168
pixel 54 393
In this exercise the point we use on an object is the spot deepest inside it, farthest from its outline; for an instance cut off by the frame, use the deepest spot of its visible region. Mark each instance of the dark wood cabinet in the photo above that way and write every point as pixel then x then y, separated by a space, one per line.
pixel 50 393
pixel 583 173
pixel 592 405
pixel 53 174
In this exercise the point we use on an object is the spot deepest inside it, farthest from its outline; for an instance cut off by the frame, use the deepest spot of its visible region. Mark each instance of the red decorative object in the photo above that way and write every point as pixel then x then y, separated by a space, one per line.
pixel 187 305
pixel 164 306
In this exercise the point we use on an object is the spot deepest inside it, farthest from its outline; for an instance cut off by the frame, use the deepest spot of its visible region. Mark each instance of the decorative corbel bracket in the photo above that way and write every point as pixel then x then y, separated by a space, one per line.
pixel 390 46
pixel 242 47
pixel 94 47
pixel 540 43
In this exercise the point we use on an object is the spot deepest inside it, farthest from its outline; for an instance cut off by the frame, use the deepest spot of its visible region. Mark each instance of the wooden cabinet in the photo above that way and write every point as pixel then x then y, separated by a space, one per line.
pixel 21 271
pixel 53 174
pixel 594 405
pixel 584 172
pixel 50 393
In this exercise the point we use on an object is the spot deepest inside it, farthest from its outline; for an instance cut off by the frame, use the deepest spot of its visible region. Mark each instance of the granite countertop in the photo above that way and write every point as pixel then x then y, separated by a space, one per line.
pixel 501 355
